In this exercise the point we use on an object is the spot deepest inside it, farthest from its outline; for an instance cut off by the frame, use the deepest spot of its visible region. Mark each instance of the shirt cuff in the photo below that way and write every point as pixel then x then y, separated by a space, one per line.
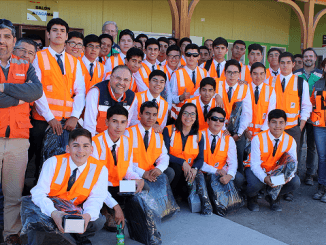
pixel 140 172
pixel 75 114
pixel 48 116
pixel 49 210
pixel 162 167
pixel 110 201
pixel 262 177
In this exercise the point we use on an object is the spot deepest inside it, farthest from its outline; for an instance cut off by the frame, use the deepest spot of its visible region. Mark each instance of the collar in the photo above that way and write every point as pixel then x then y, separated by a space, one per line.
pixel 202 104
pixel 149 64
pixel 287 78
pixel 72 166
pixel 110 142
pixel 123 56
pixel 87 62
pixel 189 70
pixel 278 71
pixel 170 69
pixel 273 138
pixel 221 63
pixel 227 86
pixel 150 97
pixel 259 86
pixel 8 63
pixel 53 53
pixel 142 130
pixel 210 134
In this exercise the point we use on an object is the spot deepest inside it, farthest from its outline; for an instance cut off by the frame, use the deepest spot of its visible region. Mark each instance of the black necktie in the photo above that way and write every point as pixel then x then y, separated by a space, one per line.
pixel 205 112
pixel 213 145
pixel 114 154
pixel 100 59
pixel 230 94
pixel 275 73
pixel 256 94
pixel 72 179
pixel 194 77
pixel 283 84
pixel 154 100
pixel 60 63
pixel 146 139
pixel 91 69
pixel 275 147
pixel 218 70
pixel 153 67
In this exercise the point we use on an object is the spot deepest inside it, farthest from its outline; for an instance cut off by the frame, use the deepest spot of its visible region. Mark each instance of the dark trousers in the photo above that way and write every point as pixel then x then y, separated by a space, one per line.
pixel 295 132
pixel 311 163
pixel 320 136
pixel 178 184
pixel 255 185
pixel 169 172
pixel 241 144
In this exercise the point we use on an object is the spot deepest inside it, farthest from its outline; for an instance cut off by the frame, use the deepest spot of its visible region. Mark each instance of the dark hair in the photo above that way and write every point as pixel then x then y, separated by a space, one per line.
pixel 185 39
pixel 26 40
pixel 132 52
pixel 147 104
pixel 92 38
pixel 178 122
pixel 203 47
pixel 215 109
pixel 74 134
pixel 256 65
pixel 173 48
pixel 276 113
pixel 239 42
pixel 173 39
pixel 274 49
pixel 232 62
pixel 208 40
pixel 141 35
pixel 116 110
pixel 105 36
pixel 57 21
pixel 298 56
pixel 255 46
pixel 157 73
pixel 138 41
pixel 163 39
pixel 126 32
pixel 208 81
pixel 151 41
pixel 121 67
pixel 309 49
pixel 220 41
pixel 36 37
pixel 192 46
pixel 76 34
pixel 285 54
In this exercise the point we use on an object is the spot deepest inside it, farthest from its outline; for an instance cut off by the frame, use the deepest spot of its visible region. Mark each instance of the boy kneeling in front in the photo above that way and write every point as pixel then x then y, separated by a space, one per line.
pixel 266 149
pixel 76 177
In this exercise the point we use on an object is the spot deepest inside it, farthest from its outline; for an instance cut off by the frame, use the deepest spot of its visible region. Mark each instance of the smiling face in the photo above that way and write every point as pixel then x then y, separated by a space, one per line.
pixel 173 59
pixel 111 30
pixel 25 51
pixel 134 63
pixel 156 85
pixel 152 52
pixel 106 45
pixel 58 35
pixel 277 126
pixel 117 125
pixel 191 60
pixel 215 126
pixel 80 149
pixel 74 46
pixel 120 82
pixel 309 58
pixel 149 117
pixel 92 51
pixel 188 116
pixel 125 43
pixel 7 43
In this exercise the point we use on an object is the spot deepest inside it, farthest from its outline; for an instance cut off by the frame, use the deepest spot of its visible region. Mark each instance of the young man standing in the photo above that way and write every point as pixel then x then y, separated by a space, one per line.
pixel 75 44
pixel 255 54
pixel 298 62
pixel 164 44
pixel 173 56
pixel 183 44
pixel 143 38
pixel 106 42
pixel 134 60
pixel 274 65
pixel 204 55
pixel 209 44
pixel 238 50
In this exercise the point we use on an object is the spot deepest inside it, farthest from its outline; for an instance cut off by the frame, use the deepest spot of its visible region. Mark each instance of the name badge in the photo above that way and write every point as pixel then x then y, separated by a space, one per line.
pixel 216 164
pixel 292 105
pixel 189 160
pixel 264 116
pixel 20 75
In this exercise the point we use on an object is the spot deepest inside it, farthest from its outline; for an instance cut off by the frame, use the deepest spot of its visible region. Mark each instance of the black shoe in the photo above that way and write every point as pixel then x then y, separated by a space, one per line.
pixel 83 241
pixel 274 205
pixel 320 192
pixel 309 180
pixel 252 204
pixel 288 197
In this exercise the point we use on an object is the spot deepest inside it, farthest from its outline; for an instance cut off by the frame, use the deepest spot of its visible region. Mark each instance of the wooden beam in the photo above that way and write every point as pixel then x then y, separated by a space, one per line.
pixel 309 12
pixel 317 18
pixel 175 18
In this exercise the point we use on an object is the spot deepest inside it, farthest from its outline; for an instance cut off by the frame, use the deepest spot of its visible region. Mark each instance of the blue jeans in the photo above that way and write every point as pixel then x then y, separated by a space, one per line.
pixel 255 185
pixel 311 166
pixel 320 135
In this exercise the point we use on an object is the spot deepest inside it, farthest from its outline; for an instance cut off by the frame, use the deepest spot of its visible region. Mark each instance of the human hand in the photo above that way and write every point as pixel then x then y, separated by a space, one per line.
pixel 119 216
pixel 56 126
pixel 87 218
pixel 268 181
pixel 157 128
pixel 226 132
pixel 221 172
pixel 140 184
pixel 155 172
pixel 219 101
pixel 248 134
pixel 236 137
pixel 147 175
pixel 225 179
pixel 70 123
pixel 186 169
pixel 57 218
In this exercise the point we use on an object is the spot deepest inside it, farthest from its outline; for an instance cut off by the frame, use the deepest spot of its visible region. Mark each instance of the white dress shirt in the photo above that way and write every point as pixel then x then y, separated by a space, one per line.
pixel 231 160
pixel 42 106
pixel 7 65
pixel 272 74
pixel 162 162
pixel 306 106
pixel 215 63
pixel 92 204
pixel 91 110
pixel 159 99
pixel 108 66
pixel 161 63
pixel 141 86
pixel 255 163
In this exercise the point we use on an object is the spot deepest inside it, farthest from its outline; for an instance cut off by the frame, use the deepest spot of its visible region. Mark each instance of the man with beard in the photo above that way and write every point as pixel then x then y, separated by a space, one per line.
pixel 311 74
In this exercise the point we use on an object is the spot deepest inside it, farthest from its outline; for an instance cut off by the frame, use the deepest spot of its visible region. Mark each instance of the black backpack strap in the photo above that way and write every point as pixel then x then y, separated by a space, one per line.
pixel 208 64
pixel 320 86
pixel 300 89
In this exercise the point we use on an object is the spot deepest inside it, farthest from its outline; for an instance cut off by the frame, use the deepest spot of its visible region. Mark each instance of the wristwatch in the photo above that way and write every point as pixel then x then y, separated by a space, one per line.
pixel 239 135
pixel 196 169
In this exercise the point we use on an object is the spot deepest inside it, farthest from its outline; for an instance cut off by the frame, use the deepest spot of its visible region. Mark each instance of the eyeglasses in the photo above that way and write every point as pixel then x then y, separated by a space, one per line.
pixel 174 57
pixel 103 45
pixel 75 45
pixel 6 22
pixel 93 47
pixel 25 51
pixel 192 54
pixel 231 73
pixel 39 45
pixel 215 119
pixel 187 114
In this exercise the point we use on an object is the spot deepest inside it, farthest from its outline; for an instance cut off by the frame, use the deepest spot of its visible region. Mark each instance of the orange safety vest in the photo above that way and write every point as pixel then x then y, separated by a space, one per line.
pixel 213 73
pixel 166 70
pixel 82 187
pixel 259 110
pixel 133 85
pixel 104 59
pixel 144 72
pixel 318 114
pixel 16 117
pixel 162 107
pixel 184 81
pixel 266 150
pixel 201 120
pixel 268 74
pixel 245 73
pixel 116 172
pixel 58 88
pixel 218 158
pixel 97 75
pixel 115 61
pixel 238 95
pixel 183 61
pixel 289 101
pixel 145 159
pixel 191 149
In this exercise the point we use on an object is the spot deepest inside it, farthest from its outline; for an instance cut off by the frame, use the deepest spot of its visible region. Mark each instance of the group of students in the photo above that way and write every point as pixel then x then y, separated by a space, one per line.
pixel 146 107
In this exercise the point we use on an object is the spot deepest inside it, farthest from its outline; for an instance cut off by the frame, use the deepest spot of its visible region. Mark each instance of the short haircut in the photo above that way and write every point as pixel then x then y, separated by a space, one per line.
pixel 286 54
pixel 173 48
pixel 57 21
pixel 203 47
pixel 208 81
pixel 7 24
pixel 132 52
pixel 298 56
pixel 163 39
pixel 232 62
pixel 208 40
pixel 157 73
pixel 110 22
pixel 138 41
pixel 256 65
pixel 309 49
pixel 220 41
pixel 148 104
pixel 217 110
pixel 274 49
pixel 74 134
pixel 192 46
pixel 126 32
pixel 26 40
pixel 116 110
pixel 277 113
pixel 173 39
pixel 37 37
pixel 92 38
pixel 142 35
pixel 185 39
pixel 121 67
pixel 102 36
pixel 151 41
pixel 239 42
pixel 255 46
pixel 178 122
pixel 75 34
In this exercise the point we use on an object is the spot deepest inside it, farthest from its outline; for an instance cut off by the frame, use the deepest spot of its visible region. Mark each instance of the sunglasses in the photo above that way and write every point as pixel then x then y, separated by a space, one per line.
pixel 215 119
pixel 6 22
pixel 192 54
pixel 40 45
